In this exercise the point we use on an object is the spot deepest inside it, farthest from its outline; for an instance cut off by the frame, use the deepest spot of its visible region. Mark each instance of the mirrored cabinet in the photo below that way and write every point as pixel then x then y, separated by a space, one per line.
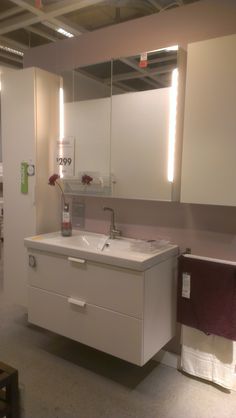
pixel 124 118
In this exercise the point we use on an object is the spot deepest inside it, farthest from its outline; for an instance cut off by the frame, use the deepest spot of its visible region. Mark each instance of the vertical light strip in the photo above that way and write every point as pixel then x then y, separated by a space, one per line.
pixel 61 122
pixel 172 126
pixel 61 115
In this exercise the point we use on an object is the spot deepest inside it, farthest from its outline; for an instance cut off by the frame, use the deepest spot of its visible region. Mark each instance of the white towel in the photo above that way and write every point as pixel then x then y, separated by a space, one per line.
pixel 209 357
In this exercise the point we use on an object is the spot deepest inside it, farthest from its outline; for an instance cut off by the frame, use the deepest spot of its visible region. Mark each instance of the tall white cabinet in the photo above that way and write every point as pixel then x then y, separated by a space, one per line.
pixel 30 127
pixel 209 146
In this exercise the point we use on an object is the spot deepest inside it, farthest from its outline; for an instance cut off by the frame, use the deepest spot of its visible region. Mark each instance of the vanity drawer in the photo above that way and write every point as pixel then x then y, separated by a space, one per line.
pixel 98 284
pixel 105 330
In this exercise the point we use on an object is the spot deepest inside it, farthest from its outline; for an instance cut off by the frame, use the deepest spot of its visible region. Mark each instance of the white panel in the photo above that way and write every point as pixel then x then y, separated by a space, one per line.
pixel 209 168
pixel 29 115
pixel 160 307
pixel 105 330
pixel 139 144
pixel 113 288
pixel 18 135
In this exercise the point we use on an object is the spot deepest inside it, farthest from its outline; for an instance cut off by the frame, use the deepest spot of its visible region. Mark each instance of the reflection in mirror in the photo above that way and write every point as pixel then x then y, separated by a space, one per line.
pixel 141 125
pixel 87 113
pixel 147 71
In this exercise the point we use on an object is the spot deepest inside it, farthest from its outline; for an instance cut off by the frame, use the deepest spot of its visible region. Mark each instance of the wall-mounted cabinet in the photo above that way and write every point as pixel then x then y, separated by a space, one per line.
pixel 209 147
pixel 127 136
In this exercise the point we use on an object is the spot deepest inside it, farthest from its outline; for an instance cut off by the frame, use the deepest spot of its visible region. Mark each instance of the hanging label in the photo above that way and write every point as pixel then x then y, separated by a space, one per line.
pixel 65 157
pixel 38 4
pixel 65 217
pixel 24 177
pixel 143 60
pixel 186 285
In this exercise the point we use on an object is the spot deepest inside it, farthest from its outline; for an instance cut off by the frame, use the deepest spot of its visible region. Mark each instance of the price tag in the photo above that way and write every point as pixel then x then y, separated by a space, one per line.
pixel 65 157
pixel 143 62
pixel 24 177
pixel 186 285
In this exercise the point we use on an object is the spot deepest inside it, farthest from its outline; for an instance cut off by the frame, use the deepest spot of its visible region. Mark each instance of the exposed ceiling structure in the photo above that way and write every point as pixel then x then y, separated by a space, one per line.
pixel 29 23
pixel 152 70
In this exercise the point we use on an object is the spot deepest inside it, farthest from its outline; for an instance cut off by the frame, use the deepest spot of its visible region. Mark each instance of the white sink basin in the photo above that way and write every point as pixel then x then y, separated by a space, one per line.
pixel 134 245
pixel 88 241
pixel 124 252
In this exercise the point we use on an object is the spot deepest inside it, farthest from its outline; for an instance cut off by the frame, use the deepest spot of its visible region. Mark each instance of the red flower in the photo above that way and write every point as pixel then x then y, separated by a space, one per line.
pixel 86 179
pixel 52 180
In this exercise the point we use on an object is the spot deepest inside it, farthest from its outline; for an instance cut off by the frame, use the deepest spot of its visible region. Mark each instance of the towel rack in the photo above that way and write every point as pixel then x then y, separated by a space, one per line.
pixel 215 260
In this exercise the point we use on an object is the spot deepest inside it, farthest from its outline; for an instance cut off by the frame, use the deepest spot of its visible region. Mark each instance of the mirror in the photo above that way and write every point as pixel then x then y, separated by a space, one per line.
pixel 119 114
pixel 87 121
pixel 140 125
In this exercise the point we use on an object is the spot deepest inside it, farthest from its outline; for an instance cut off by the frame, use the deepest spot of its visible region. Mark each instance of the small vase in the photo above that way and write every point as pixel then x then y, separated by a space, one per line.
pixel 66 225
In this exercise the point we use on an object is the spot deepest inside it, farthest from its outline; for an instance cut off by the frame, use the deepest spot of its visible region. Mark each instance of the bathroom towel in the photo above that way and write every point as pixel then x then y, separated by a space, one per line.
pixel 206 297
pixel 209 357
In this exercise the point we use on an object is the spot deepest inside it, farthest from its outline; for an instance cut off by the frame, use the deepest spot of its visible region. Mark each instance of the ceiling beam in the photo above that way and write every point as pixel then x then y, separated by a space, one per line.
pixel 131 63
pixel 155 4
pixel 10 57
pixel 68 6
pixel 42 33
pixel 49 13
pixel 13 44
pixel 10 12
pixel 147 73
pixel 67 24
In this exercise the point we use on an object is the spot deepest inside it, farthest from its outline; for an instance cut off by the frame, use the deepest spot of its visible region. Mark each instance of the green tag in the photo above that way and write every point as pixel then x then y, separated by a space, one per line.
pixel 24 177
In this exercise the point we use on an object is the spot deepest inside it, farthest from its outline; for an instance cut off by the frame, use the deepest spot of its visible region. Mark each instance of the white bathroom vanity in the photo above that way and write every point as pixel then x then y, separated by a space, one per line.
pixel 117 296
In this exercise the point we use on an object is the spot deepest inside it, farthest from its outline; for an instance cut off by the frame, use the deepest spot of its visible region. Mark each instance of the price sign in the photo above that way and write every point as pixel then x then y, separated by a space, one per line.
pixel 65 156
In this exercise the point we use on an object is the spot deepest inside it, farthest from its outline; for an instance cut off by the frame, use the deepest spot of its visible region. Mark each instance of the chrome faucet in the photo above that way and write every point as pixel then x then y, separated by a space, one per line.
pixel 114 232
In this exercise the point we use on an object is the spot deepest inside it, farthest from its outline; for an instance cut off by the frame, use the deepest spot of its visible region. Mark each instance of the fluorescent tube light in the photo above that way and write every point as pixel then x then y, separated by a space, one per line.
pixel 169 48
pixel 65 33
pixel 172 125
pixel 57 29
pixel 61 114
pixel 61 122
pixel 12 50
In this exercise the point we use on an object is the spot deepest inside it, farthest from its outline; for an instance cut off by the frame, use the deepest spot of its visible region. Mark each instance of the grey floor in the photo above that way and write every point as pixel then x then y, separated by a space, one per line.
pixel 63 379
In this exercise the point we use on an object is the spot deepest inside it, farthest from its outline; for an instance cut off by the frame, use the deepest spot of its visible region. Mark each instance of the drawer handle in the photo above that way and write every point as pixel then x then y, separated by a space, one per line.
pixel 76 260
pixel 77 302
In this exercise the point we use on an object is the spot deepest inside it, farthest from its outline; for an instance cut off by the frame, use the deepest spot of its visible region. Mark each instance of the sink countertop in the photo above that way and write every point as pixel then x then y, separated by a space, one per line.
pixel 122 252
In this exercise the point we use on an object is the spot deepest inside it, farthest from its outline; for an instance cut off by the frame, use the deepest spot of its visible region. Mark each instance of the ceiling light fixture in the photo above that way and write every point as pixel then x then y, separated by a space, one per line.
pixel 65 33
pixel 12 50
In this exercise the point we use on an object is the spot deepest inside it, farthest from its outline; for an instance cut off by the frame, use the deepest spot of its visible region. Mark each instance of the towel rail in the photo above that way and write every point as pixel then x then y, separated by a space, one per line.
pixel 215 260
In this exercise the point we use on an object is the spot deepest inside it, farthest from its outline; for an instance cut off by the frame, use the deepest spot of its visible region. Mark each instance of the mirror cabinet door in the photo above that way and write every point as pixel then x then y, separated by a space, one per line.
pixel 140 125
pixel 87 118
pixel 122 117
